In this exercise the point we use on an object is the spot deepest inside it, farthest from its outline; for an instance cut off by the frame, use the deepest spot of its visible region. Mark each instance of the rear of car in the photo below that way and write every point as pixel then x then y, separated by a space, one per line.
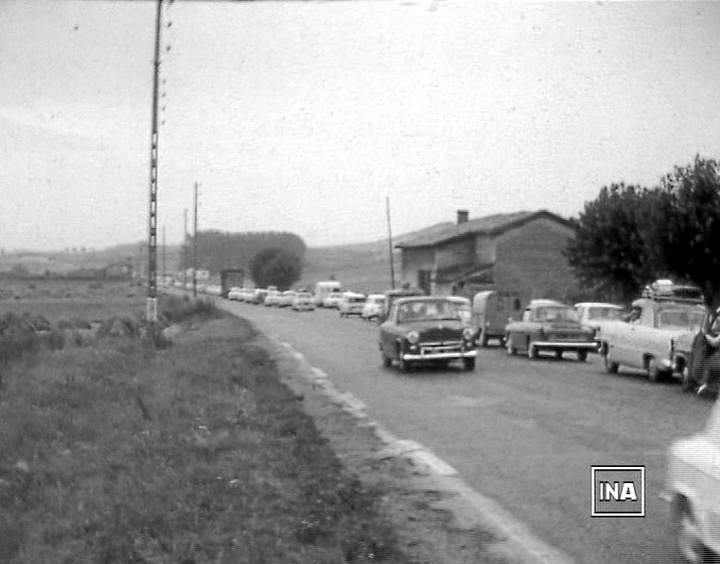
pixel 303 301
pixel 351 304
pixel 373 306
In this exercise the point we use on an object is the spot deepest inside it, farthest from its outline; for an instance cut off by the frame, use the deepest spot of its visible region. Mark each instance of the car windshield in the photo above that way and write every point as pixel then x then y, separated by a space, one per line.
pixel 356 300
pixel 604 313
pixel 555 313
pixel 684 319
pixel 304 295
pixel 427 311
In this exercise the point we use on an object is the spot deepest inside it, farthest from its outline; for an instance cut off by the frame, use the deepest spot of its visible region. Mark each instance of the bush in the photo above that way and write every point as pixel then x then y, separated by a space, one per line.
pixel 176 309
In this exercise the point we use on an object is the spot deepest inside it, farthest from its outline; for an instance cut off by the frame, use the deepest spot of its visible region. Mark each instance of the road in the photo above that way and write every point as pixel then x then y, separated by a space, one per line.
pixel 522 432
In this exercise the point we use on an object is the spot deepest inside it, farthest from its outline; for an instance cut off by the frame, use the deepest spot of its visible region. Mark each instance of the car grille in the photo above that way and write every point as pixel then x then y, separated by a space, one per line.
pixel 568 337
pixel 440 347
pixel 438 334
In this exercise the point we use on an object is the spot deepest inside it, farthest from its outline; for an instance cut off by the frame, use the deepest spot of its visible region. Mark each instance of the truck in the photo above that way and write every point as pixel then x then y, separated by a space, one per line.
pixel 231 278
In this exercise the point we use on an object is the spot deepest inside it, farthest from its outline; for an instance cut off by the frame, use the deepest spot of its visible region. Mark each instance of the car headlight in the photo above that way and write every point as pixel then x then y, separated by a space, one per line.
pixel 468 333
pixel 413 337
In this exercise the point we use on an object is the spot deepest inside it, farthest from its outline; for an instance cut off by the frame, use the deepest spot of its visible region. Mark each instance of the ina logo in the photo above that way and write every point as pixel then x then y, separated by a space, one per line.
pixel 617 491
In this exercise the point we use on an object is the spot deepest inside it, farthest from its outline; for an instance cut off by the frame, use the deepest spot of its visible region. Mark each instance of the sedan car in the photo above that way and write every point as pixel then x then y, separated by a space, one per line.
pixel 426 329
pixel 235 293
pixel 286 300
pixel 351 304
pixel 303 301
pixel 272 298
pixel 548 325
pixel 373 307
pixel 693 488
pixel 332 300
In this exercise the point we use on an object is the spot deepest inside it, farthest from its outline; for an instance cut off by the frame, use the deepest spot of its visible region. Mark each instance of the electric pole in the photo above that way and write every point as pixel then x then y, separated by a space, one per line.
pixel 151 309
pixel 390 245
pixel 195 221
pixel 164 256
pixel 185 252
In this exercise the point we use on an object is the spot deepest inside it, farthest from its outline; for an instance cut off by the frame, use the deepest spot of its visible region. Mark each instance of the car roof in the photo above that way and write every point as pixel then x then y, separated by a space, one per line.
pixel 597 304
pixel 423 299
pixel 545 303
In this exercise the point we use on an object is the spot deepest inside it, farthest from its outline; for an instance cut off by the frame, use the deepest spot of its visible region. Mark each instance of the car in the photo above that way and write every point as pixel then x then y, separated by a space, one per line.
pixel 286 298
pixel 323 290
pixel 303 301
pixel 373 307
pixel 272 298
pixel 425 329
pixel 332 299
pixel 549 325
pixel 258 296
pixel 236 293
pixel 351 304
pixel 693 490
pixel 596 315
pixel 694 352
pixel 646 340
pixel 491 311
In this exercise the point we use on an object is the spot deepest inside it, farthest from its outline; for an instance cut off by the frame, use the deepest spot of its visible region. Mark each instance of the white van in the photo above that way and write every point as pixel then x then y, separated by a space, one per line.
pixel 324 289
pixel 491 311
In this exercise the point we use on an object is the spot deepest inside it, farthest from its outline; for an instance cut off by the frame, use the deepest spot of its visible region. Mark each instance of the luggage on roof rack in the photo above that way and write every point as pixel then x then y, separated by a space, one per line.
pixel 666 290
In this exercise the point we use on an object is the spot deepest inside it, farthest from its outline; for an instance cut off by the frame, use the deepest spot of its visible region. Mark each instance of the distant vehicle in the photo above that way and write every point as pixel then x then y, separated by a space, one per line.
pixel 322 289
pixel 212 289
pixel 548 325
pixel 272 298
pixel 491 311
pixel 286 300
pixel 258 296
pixel 235 293
pixel 647 339
pixel 426 329
pixel 693 485
pixel 596 315
pixel 332 299
pixel 231 278
pixel 373 307
pixel 303 301
pixel 351 304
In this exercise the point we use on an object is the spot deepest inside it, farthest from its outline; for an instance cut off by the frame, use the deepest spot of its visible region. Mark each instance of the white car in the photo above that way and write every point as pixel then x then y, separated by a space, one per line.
pixel 373 307
pixel 332 300
pixel 693 488
pixel 287 298
pixel 596 315
pixel 351 304
pixel 236 293
pixel 272 298
pixel 303 301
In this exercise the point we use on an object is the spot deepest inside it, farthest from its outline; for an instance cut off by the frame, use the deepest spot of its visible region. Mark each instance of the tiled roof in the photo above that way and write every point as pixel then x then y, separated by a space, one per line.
pixel 488 225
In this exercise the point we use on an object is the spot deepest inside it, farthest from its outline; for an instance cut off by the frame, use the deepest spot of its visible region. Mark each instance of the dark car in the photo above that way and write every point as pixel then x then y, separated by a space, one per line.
pixel 548 325
pixel 426 329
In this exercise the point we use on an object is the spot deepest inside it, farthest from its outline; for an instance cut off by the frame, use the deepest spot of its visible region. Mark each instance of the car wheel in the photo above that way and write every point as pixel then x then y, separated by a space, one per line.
pixel 558 353
pixel 532 351
pixel 512 351
pixel 582 355
pixel 686 383
pixel 403 365
pixel 687 533
pixel 653 371
pixel 610 366
pixel 469 363
pixel 483 339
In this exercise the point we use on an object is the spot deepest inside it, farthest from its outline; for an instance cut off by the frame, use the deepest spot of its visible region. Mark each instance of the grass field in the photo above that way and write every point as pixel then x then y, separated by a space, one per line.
pixel 196 453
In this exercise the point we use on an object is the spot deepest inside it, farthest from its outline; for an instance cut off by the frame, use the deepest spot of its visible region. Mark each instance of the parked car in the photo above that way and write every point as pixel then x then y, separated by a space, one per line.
pixel 491 311
pixel 272 298
pixel 286 300
pixel 332 299
pixel 236 293
pixel 373 307
pixel 303 301
pixel 694 352
pixel 693 489
pixel 323 289
pixel 258 296
pixel 596 315
pixel 548 325
pixel 351 304
pixel 426 329
pixel 646 341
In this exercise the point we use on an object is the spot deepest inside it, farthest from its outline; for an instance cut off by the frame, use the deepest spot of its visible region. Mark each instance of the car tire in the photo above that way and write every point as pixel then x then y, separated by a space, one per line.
pixel 403 365
pixel 611 367
pixel 386 360
pixel 686 533
pixel 532 351
pixel 469 364
pixel 558 353
pixel 654 374
pixel 483 339
pixel 582 355
pixel 511 351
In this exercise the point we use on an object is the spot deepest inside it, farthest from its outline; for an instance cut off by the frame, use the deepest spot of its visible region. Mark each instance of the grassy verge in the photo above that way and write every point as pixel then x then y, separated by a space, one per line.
pixel 193 454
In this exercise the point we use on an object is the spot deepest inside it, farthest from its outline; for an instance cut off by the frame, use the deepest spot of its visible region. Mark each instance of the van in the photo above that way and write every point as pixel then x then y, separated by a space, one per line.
pixel 491 312
pixel 323 290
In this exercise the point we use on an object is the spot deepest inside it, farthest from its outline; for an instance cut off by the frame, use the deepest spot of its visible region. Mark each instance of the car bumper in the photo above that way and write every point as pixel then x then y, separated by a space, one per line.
pixel 569 345
pixel 440 355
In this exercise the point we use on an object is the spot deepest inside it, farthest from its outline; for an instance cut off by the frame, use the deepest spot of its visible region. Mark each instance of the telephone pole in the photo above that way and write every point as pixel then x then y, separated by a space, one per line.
pixel 151 309
pixel 185 252
pixel 164 256
pixel 195 221
pixel 390 245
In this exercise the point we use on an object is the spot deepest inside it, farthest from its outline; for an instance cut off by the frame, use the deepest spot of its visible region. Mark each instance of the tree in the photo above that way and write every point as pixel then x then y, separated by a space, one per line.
pixel 275 266
pixel 687 226
pixel 609 253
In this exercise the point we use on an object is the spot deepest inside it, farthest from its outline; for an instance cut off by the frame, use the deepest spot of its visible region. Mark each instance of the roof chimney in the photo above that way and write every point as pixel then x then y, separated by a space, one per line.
pixel 462 216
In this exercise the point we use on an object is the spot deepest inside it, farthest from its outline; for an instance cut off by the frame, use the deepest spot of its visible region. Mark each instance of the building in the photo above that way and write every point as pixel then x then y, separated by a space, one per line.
pixel 520 252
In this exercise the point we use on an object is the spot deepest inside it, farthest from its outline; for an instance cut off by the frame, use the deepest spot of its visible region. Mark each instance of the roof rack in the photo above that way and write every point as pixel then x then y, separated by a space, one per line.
pixel 666 290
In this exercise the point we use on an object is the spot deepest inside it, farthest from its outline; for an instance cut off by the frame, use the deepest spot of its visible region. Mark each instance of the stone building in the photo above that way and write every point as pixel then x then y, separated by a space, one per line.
pixel 519 253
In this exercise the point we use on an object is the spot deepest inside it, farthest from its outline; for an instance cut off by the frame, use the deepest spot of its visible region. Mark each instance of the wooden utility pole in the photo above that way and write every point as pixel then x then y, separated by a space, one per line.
pixel 185 252
pixel 164 256
pixel 390 245
pixel 195 221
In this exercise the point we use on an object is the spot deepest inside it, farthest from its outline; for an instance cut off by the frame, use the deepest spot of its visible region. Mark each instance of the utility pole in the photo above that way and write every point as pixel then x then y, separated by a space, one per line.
pixel 185 252
pixel 390 245
pixel 151 309
pixel 164 256
pixel 195 242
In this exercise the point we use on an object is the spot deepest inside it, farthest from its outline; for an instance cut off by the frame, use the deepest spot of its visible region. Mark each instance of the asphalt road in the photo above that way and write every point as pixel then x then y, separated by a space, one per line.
pixel 522 432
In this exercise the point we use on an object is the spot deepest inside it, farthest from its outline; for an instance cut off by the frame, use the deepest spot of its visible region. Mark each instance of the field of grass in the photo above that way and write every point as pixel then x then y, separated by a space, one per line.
pixel 196 453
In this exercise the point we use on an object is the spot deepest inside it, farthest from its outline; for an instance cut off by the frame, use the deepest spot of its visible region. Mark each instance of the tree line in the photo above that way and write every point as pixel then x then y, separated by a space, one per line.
pixel 630 235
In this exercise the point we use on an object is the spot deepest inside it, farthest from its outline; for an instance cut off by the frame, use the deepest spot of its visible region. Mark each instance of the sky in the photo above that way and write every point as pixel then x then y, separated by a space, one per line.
pixel 305 116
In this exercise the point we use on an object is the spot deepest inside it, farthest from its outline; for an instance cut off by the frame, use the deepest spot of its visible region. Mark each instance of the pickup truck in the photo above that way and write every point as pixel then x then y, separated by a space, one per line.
pixel 647 340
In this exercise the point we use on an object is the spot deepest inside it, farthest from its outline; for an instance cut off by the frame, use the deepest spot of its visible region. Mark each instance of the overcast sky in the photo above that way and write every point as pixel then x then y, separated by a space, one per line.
pixel 304 116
